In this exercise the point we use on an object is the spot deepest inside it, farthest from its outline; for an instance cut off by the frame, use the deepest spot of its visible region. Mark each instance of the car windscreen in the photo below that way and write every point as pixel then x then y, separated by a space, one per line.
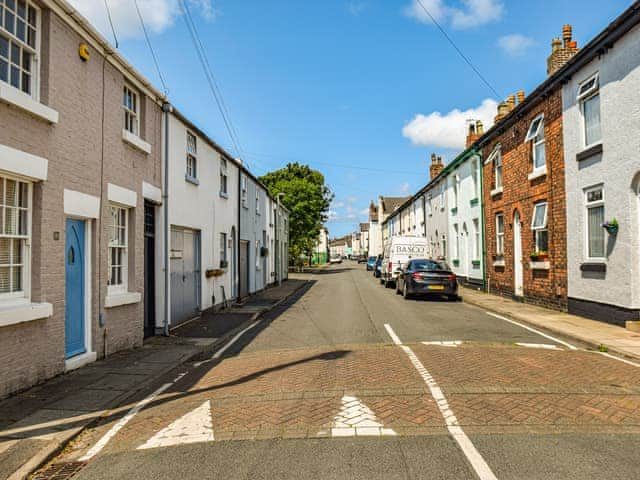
pixel 372 259
pixel 430 265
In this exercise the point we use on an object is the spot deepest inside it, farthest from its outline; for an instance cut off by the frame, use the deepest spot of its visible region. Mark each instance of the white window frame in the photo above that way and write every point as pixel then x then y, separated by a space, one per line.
pixel 114 289
pixel 243 188
pixel 589 205
pixel 257 201
pixel 500 234
pixel 258 262
pixel 131 114
pixel 454 190
pixel 24 294
pixel 224 177
pixel 223 246
pixel 533 135
pixel 475 176
pixel 32 50
pixel 476 239
pixel 191 167
pixel 496 160
pixel 538 229
pixel 457 242
pixel 583 97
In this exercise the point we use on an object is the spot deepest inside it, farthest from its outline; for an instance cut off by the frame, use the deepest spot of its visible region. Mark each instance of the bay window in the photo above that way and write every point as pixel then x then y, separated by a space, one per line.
pixel 595 219
pixel 539 227
pixel 15 213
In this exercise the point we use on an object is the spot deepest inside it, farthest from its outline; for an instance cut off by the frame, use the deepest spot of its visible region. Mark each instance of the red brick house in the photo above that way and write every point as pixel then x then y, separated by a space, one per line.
pixel 524 191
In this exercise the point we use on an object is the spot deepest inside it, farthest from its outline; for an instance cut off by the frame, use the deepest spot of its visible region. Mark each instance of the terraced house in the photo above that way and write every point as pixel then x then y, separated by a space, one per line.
pixel 80 175
pixel 524 190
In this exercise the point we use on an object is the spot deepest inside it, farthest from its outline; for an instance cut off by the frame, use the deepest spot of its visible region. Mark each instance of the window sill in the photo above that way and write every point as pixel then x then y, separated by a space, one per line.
pixel 191 180
pixel 474 202
pixel 16 98
pixel 454 210
pixel 136 142
pixel 224 195
pixel 537 174
pixel 496 191
pixel 593 266
pixel 540 265
pixel 499 263
pixel 475 263
pixel 124 298
pixel 589 152
pixel 24 312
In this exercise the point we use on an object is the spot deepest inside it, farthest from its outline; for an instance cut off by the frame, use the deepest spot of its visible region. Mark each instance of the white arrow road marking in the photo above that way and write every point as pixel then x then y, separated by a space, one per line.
pixel 452 343
pixel 538 345
pixel 478 463
pixel 193 427
pixel 356 419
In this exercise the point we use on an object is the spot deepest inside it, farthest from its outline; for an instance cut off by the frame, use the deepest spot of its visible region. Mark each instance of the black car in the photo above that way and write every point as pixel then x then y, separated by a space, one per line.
pixel 422 276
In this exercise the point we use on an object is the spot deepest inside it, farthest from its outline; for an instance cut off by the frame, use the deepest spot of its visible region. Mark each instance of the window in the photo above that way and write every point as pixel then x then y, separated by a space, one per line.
pixel 257 201
pixel 117 260
pixel 535 134
pixel 441 197
pixel 18 54
pixel 223 177
pixel 223 247
pixel 476 244
pixel 589 98
pixel 130 105
pixel 454 186
pixel 258 263
pixel 456 252
pixel 500 234
pixel 444 246
pixel 539 227
pixel 595 219
pixel 496 159
pixel 475 175
pixel 192 156
pixel 243 188
pixel 14 237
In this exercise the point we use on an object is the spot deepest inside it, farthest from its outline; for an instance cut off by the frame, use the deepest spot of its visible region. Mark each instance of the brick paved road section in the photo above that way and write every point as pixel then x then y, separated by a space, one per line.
pixel 505 386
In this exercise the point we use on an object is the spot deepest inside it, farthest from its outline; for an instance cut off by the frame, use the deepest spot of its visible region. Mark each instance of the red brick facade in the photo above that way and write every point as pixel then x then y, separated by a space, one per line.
pixel 543 286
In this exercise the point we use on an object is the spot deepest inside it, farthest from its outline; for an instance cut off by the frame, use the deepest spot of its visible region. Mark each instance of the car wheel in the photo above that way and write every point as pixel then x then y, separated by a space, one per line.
pixel 405 292
pixel 453 298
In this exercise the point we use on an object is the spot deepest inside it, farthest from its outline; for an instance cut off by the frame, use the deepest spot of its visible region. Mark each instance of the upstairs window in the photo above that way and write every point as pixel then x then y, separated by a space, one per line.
pixel 223 177
pixel 589 98
pixel 500 234
pixel 496 160
pixel 14 237
pixel 257 201
pixel 595 219
pixel 192 156
pixel 475 175
pixel 131 109
pixel 454 190
pixel 243 188
pixel 539 227
pixel 535 134
pixel 18 45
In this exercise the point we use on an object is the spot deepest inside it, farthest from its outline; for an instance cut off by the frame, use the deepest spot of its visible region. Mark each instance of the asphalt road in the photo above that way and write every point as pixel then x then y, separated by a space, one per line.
pixel 326 357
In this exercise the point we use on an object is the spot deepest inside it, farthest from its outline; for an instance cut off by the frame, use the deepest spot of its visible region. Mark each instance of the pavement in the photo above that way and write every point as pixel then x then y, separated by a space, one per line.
pixel 615 339
pixel 37 423
pixel 346 379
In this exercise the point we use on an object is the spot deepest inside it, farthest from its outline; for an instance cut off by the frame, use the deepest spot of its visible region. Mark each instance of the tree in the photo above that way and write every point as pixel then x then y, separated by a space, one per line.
pixel 307 198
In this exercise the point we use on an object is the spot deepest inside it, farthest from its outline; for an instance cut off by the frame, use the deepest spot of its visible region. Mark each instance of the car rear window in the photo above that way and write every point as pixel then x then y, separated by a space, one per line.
pixel 430 265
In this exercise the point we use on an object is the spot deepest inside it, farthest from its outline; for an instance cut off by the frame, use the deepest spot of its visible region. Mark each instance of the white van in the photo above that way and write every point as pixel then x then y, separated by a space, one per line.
pixel 397 252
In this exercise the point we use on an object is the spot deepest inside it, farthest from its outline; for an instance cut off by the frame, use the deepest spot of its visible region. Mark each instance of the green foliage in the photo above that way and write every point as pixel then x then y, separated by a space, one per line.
pixel 603 348
pixel 307 198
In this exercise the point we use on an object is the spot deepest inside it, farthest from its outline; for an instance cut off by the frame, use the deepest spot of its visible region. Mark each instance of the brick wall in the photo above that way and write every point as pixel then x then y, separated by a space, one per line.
pixel 542 287
pixel 75 147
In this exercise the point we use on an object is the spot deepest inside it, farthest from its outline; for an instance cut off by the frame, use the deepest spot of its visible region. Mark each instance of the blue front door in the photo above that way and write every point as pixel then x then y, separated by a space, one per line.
pixel 74 288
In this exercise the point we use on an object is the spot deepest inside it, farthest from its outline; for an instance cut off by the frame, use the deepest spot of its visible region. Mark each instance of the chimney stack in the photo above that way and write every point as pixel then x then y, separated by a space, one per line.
pixel 472 132
pixel 479 128
pixel 561 50
pixel 520 96
pixel 436 166
pixel 503 111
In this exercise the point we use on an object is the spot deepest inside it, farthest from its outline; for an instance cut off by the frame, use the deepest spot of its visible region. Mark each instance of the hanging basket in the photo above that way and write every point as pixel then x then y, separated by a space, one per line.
pixel 611 227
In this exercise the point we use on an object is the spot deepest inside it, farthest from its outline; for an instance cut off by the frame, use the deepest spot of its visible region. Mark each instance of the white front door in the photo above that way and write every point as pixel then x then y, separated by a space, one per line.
pixel 517 256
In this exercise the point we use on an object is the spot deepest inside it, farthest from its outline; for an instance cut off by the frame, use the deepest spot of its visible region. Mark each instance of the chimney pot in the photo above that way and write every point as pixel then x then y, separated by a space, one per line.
pixel 436 166
pixel 479 127
pixel 520 96
pixel 567 34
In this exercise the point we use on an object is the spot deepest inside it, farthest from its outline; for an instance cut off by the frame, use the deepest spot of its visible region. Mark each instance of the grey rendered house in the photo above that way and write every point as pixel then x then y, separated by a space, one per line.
pixel 79 183
pixel 602 145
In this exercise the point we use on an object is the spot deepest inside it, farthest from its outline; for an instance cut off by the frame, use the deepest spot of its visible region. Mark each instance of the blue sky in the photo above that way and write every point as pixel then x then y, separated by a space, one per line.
pixel 362 90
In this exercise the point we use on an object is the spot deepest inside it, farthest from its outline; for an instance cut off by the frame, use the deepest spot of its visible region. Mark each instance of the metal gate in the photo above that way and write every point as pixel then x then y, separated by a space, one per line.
pixel 185 274
pixel 243 271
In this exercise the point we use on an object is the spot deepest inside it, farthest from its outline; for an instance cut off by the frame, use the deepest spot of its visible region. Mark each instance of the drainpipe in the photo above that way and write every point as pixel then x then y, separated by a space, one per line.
pixel 280 270
pixel 166 110
pixel 237 279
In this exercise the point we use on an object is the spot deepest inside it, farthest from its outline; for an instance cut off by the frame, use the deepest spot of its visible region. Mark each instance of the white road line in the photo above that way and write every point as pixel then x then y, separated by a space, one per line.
pixel 97 448
pixel 538 345
pixel 526 327
pixel 445 343
pixel 219 353
pixel 620 359
pixel 478 463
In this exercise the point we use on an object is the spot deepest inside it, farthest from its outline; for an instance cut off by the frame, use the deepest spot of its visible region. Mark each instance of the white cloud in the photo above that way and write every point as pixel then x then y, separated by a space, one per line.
pixel 337 204
pixel 158 15
pixel 515 45
pixel 467 13
pixel 448 130
pixel 405 189
pixel 356 8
